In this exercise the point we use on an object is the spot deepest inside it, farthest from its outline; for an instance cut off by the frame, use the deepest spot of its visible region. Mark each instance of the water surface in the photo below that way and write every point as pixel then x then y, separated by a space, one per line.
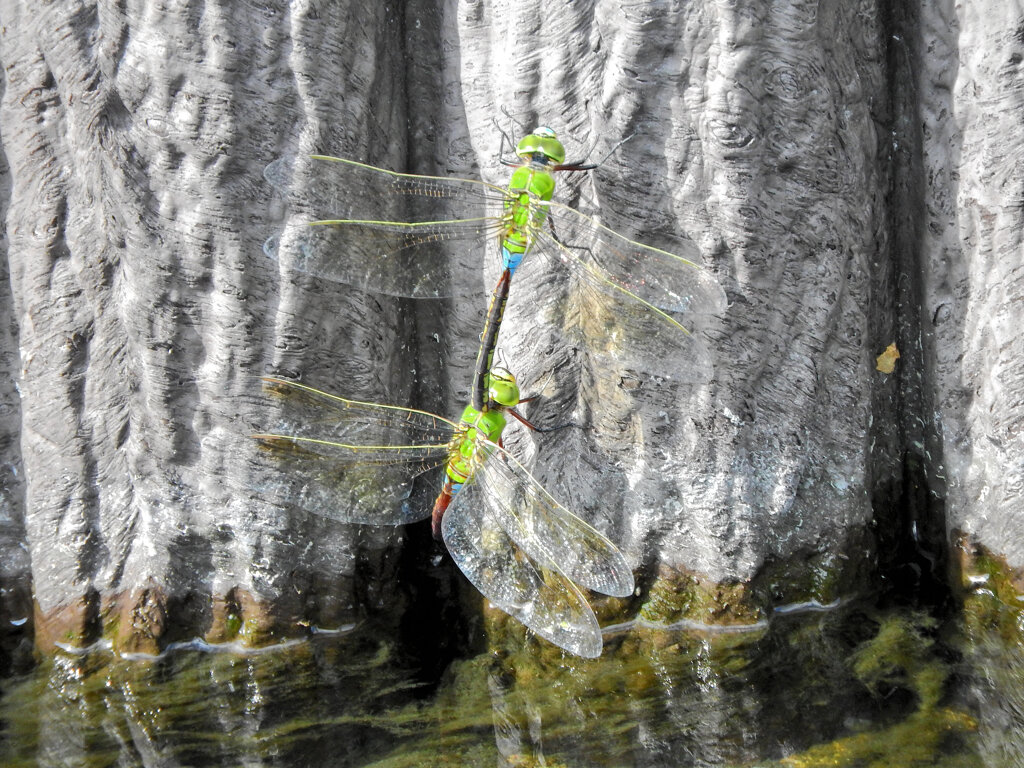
pixel 846 685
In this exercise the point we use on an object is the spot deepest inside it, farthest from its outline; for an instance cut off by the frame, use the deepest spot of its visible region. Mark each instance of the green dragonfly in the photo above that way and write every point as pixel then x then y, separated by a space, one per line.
pixel 357 461
pixel 424 236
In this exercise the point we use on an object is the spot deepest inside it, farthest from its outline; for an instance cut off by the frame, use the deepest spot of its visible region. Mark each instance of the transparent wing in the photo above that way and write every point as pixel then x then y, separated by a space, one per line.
pixel 427 236
pixel 414 260
pixel 346 459
pixel 547 530
pixel 672 285
pixel 327 417
pixel 381 231
pixel 531 590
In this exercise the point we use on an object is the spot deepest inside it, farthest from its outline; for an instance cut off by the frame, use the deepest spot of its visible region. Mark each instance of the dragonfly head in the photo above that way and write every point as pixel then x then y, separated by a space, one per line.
pixel 502 388
pixel 541 146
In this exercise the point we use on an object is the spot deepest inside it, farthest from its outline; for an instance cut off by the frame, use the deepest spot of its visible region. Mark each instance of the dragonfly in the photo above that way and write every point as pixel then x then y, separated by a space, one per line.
pixel 357 461
pixel 423 237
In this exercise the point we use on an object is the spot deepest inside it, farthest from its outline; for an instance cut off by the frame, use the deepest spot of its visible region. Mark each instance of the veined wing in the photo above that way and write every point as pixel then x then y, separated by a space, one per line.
pixel 381 231
pixel 547 531
pixel 346 189
pixel 331 418
pixel 531 590
pixel 349 460
pixel 420 260
pixel 673 286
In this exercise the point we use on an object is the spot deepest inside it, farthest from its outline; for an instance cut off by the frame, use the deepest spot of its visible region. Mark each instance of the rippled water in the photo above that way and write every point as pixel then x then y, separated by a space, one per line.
pixel 849 686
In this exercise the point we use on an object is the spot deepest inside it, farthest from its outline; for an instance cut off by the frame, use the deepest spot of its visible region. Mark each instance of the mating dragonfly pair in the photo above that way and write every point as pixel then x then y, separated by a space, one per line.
pixel 419 236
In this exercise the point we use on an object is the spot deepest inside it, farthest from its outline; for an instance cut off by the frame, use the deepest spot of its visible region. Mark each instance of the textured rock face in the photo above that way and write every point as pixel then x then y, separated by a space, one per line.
pixel 143 307
pixel 971 246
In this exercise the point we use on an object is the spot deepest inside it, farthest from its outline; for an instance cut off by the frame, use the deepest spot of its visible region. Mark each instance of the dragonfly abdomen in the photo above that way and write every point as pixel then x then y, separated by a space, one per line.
pixel 489 339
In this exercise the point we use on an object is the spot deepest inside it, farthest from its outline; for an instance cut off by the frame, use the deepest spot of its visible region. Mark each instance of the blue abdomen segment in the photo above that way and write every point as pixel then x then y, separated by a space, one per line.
pixel 510 259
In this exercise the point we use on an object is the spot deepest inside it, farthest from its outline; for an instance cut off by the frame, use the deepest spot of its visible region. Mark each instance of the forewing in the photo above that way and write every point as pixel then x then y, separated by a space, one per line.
pixel 531 590
pixel 348 460
pixel 346 189
pixel 324 416
pixel 380 231
pixel 547 530
pixel 672 282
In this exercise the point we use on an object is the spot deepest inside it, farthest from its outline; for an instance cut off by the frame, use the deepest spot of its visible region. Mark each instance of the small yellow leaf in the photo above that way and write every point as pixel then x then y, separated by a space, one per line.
pixel 886 362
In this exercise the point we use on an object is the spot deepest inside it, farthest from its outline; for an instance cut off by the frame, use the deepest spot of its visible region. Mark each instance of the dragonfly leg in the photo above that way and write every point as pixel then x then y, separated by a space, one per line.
pixel 582 165
pixel 554 236
pixel 506 139
pixel 526 423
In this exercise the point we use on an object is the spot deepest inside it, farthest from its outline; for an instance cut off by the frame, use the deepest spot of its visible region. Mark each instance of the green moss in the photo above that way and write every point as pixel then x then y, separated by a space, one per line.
pixel 679 594
pixel 920 741
pixel 682 594
pixel 111 623
pixel 232 625
pixel 821 577
pixel 901 655
pixel 257 631
pixel 992 593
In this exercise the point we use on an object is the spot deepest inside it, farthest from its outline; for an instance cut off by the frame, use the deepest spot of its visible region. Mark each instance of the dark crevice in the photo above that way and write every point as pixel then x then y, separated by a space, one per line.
pixel 16 627
pixel 911 517
pixel 436 626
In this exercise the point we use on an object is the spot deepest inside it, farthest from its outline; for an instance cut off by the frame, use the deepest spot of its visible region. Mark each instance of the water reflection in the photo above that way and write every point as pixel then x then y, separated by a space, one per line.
pixel 996 693
pixel 849 686
pixel 328 696
pixel 699 697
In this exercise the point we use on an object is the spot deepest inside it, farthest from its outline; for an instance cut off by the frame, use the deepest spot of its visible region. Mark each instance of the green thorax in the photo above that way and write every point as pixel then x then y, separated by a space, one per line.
pixel 473 425
pixel 528 185
pixel 535 181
